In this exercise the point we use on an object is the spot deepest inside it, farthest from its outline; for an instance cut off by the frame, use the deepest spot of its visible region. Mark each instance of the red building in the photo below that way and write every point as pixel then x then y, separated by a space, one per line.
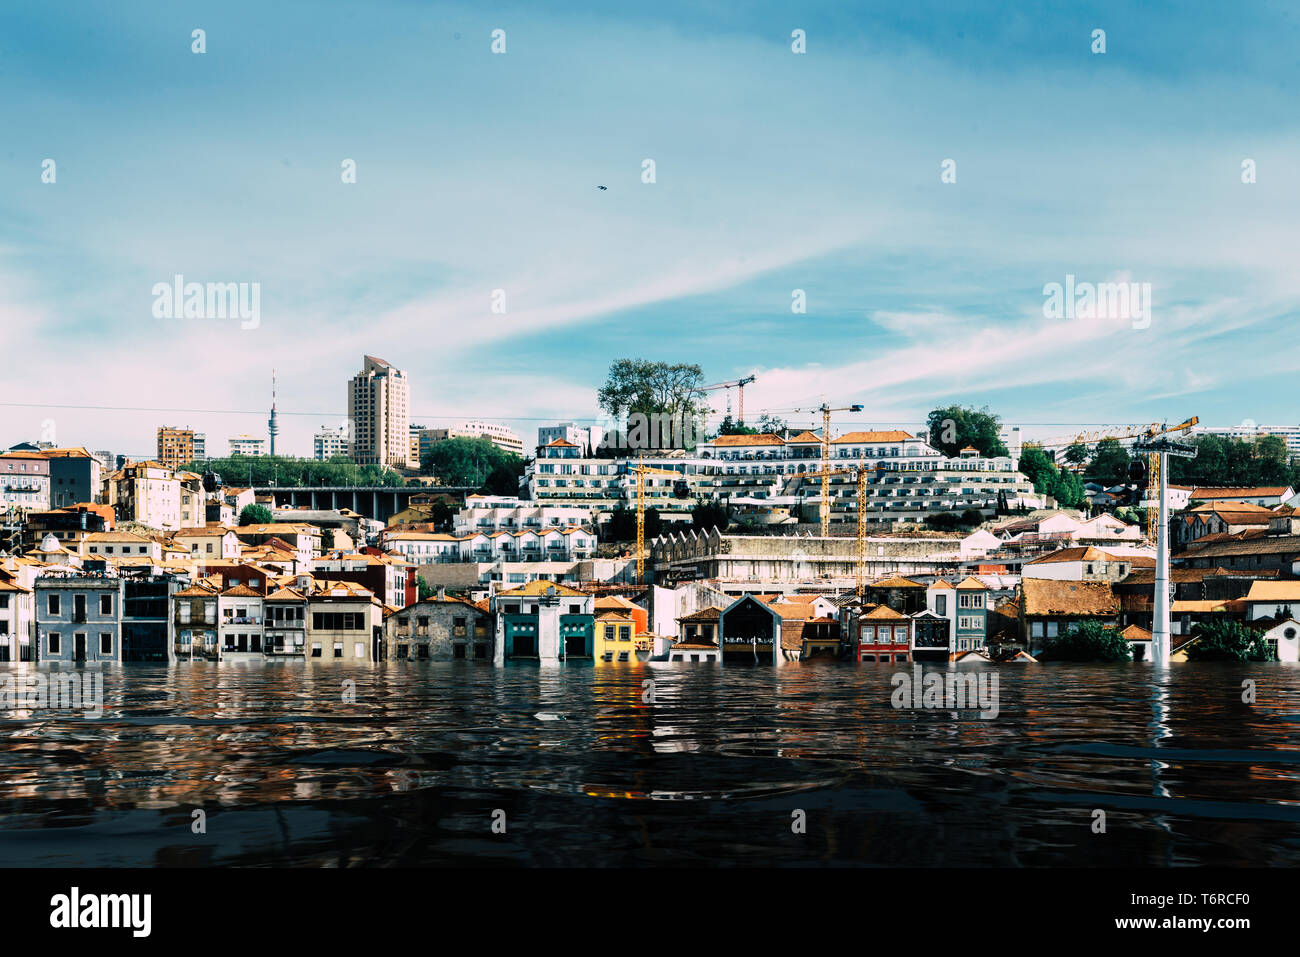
pixel 884 635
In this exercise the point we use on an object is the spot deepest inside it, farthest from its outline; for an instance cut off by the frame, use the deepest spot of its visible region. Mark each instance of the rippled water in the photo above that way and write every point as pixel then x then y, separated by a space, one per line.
pixel 709 772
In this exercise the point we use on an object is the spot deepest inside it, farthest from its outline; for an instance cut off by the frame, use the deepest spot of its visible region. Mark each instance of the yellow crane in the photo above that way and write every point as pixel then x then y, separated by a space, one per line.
pixel 1153 469
pixel 860 475
pixel 826 411
pixel 640 471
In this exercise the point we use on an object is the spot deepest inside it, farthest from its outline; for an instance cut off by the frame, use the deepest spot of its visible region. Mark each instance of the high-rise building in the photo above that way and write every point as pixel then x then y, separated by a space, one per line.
pixel 1249 432
pixel 327 443
pixel 200 447
pixel 175 446
pixel 378 405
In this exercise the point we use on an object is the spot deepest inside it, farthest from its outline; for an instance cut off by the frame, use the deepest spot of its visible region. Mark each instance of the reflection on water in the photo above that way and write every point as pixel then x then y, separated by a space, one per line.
pixel 592 770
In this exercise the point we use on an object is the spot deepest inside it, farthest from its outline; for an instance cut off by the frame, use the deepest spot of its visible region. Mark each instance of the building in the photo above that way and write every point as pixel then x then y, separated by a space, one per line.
pixel 1267 496
pixel 1049 609
pixel 284 622
pixel 439 629
pixel 209 542
pixel 620 630
pixel 883 635
pixel 1273 599
pixel 1284 639
pixel 500 436
pixel 17 620
pixel 150 493
pixel 247 445
pixel 175 446
pixel 543 621
pixel 498 513
pixel 239 621
pixel 1084 563
pixel 24 480
pixel 965 605
pixel 345 624
pixel 75 476
pixel 378 407
pixel 195 622
pixel 327 443
pixel 69 525
pixel 78 617
pixel 586 438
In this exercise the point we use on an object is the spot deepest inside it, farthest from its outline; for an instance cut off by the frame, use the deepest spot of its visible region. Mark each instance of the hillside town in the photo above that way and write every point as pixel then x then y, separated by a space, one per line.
pixel 751 546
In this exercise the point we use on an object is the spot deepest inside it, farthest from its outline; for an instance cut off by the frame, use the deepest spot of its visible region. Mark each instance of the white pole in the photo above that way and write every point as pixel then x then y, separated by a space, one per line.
pixel 1160 609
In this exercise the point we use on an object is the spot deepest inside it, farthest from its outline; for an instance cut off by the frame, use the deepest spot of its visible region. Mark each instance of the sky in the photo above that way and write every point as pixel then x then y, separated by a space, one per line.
pixel 775 171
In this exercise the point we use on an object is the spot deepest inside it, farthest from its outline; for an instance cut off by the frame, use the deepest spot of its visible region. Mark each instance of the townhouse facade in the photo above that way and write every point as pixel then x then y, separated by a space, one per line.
pixel 439 629
pixel 543 621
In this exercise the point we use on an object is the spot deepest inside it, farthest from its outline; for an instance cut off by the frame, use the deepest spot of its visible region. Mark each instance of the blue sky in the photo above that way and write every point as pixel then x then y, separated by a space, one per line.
pixel 775 172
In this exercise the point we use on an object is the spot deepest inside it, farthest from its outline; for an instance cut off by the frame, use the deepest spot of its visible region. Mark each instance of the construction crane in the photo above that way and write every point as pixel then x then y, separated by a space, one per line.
pixel 860 476
pixel 739 385
pixel 826 411
pixel 1153 431
pixel 1118 432
pixel 640 471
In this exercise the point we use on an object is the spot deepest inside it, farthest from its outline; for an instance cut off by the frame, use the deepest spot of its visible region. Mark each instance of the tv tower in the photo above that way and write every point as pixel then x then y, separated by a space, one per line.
pixel 271 425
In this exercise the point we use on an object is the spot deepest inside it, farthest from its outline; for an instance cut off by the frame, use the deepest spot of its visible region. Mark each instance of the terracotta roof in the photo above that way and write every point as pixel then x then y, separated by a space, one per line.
pixel 896 582
pixel 732 441
pixel 712 613
pixel 866 438
pixel 886 613
pixel 1045 596
pixel 971 583
pixel 1135 633
pixel 1252 491
pixel 541 586
pixel 1278 591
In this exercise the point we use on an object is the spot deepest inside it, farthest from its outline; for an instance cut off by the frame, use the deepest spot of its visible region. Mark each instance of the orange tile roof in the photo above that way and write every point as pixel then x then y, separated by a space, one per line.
pixel 730 441
pixel 893 435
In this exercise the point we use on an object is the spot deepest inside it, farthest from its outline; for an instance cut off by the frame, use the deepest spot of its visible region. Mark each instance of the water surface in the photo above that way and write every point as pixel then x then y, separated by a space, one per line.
pixel 710 772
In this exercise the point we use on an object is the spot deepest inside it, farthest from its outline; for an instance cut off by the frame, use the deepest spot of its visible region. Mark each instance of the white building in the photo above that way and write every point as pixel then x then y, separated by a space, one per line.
pixel 586 438
pixel 500 436
pixel 249 445
pixel 378 405
pixel 493 513
pixel 327 443
pixel 1248 432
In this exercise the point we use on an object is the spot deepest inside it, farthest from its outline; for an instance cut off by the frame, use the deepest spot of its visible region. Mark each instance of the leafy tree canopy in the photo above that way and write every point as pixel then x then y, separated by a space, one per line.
pixel 254 514
pixel 1228 640
pixel 954 427
pixel 474 462
pixel 265 470
pixel 1088 641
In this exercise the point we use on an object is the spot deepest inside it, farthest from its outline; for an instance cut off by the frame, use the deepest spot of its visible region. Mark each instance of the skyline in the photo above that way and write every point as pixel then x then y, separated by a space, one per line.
pixel 775 171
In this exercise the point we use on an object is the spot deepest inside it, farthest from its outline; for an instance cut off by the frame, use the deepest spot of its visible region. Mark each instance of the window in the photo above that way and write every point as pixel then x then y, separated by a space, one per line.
pixel 53 605
pixel 52 644
pixel 106 604
pixel 315 649
pixel 358 649
pixel 105 643
pixel 338 649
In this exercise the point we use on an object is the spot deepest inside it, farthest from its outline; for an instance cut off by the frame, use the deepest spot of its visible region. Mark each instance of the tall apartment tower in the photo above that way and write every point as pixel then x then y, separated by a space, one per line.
pixel 175 446
pixel 378 405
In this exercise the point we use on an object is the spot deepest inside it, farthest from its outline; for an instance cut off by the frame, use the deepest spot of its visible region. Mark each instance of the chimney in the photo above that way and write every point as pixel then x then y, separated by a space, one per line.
pixel 442 593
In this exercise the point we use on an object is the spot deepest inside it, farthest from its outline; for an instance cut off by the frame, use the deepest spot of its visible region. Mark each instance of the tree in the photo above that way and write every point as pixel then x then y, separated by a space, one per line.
pixel 474 462
pixel 622 524
pixel 254 514
pixel 1088 641
pixel 442 515
pixel 728 427
pixel 1068 490
pixel 423 588
pixel 954 427
pixel 653 388
pixel 769 424
pixel 1076 454
pixel 1109 463
pixel 972 517
pixel 1227 640
pixel 327 539
pixel 711 514
pixel 1038 468
pixel 265 470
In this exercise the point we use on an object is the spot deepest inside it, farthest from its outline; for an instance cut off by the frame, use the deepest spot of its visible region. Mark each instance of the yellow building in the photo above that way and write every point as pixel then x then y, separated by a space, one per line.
pixel 614 634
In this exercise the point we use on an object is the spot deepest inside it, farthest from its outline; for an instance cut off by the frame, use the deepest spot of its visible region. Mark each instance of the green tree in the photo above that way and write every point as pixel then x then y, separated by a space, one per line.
pixel 1039 469
pixel 622 524
pixel 728 427
pixel 1109 463
pixel 255 514
pixel 1068 490
pixel 711 514
pixel 769 424
pixel 476 463
pixel 1076 454
pixel 264 470
pixel 1088 641
pixel 652 388
pixel 423 588
pixel 1228 640
pixel 954 427
pixel 442 515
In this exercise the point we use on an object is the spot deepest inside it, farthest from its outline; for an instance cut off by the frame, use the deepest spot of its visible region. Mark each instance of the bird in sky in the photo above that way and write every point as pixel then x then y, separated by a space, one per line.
pixel 602 187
